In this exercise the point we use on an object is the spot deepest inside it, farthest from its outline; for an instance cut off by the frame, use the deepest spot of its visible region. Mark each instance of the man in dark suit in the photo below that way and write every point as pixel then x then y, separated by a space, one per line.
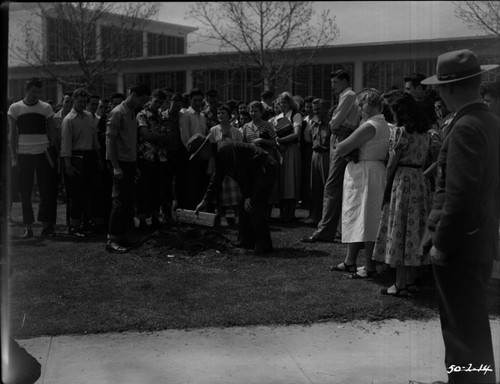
pixel 464 220
pixel 254 170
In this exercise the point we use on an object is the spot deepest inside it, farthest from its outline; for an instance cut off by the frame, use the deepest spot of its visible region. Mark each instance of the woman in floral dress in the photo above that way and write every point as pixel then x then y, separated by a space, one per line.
pixel 230 195
pixel 408 194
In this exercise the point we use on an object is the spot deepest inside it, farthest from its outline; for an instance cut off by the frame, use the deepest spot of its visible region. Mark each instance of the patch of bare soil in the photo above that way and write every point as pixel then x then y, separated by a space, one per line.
pixel 190 241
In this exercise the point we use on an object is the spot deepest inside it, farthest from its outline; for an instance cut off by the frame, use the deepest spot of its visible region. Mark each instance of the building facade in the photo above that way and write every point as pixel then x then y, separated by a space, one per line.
pixel 159 59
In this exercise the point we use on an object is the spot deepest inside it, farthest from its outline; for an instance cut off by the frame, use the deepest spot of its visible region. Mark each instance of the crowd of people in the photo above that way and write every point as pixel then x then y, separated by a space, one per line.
pixel 375 170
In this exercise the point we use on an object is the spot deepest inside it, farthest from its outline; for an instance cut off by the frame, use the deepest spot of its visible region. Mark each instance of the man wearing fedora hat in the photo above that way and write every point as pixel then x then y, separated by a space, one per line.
pixel 254 171
pixel 462 228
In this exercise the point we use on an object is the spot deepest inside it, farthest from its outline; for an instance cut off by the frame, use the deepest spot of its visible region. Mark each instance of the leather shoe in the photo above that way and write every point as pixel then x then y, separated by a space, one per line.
pixel 114 247
pixel 75 232
pixel 47 232
pixel 311 239
pixel 28 234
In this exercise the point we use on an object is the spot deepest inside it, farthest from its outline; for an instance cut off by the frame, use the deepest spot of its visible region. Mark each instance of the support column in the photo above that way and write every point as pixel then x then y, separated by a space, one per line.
pixel 189 79
pixel 120 86
pixel 60 93
pixel 144 44
pixel 358 75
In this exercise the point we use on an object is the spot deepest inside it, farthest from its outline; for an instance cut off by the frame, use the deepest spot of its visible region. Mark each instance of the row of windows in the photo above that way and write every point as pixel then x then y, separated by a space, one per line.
pixel 115 42
pixel 246 84
pixel 174 80
pixel 162 45
pixel 60 47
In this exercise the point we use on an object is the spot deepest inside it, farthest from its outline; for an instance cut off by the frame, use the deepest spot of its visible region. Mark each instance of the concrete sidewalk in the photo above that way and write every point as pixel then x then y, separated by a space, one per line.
pixel 360 352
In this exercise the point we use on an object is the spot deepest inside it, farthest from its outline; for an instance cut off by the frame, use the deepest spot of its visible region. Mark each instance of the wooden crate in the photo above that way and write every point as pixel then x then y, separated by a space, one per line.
pixel 190 217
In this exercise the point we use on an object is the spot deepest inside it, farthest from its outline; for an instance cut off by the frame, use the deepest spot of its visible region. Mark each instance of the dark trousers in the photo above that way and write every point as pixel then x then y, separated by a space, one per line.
pixel 305 190
pixel 332 199
pixel 83 188
pixel 320 164
pixel 122 212
pixel 181 178
pixel 461 290
pixel 253 228
pixel 151 188
pixel 104 204
pixel 47 181
pixel 197 182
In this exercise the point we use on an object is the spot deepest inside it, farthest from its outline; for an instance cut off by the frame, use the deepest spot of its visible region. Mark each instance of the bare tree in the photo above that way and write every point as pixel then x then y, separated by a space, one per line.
pixel 86 40
pixel 264 33
pixel 482 15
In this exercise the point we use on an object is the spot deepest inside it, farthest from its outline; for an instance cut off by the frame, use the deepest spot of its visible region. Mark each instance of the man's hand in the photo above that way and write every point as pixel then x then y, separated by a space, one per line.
pixel 258 141
pixel 248 206
pixel 437 257
pixel 118 173
pixel 200 207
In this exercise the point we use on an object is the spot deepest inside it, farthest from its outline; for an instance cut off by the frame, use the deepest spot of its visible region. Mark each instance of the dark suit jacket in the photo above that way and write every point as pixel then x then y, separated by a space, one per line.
pixel 464 218
pixel 245 163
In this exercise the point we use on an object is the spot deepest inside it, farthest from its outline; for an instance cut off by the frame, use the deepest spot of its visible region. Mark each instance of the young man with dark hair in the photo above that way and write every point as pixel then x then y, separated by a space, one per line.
pixel 93 105
pixel 414 87
pixel 266 99
pixel 462 228
pixel 306 155
pixel 121 151
pixel 177 158
pixel 210 111
pixel 490 92
pixel 193 122
pixel 80 153
pixel 169 92
pixel 344 120
pixel 320 135
pixel 152 160
pixel 34 147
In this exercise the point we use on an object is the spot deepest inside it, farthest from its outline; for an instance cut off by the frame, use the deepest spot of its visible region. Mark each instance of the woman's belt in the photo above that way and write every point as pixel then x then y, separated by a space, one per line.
pixel 410 166
pixel 321 149
pixel 82 152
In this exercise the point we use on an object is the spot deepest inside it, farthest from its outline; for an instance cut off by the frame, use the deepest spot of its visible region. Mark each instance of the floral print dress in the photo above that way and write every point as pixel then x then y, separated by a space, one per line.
pixel 404 217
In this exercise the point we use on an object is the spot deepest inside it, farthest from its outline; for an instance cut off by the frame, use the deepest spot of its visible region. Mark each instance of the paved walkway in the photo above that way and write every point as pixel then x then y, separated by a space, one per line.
pixel 386 352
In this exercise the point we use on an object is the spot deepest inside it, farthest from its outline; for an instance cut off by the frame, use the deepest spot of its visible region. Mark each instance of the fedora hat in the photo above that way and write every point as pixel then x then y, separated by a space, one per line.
pixel 196 143
pixel 457 65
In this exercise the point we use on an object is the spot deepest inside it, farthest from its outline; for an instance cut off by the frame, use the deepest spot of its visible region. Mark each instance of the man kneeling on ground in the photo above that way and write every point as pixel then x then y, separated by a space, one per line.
pixel 254 170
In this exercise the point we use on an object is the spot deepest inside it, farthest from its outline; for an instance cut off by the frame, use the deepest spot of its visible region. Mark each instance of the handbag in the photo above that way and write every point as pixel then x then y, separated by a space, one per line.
pixel 284 127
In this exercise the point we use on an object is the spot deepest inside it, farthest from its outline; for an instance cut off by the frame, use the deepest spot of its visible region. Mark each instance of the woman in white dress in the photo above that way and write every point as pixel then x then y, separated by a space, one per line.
pixel 364 183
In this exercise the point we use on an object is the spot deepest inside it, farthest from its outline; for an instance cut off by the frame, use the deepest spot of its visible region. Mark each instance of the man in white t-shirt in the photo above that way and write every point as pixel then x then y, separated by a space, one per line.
pixel 33 143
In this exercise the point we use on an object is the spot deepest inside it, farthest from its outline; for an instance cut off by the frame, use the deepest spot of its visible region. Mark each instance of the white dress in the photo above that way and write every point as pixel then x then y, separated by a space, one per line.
pixel 364 184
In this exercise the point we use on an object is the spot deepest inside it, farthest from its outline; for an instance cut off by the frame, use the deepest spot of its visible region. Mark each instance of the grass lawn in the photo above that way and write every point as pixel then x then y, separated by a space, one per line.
pixel 190 277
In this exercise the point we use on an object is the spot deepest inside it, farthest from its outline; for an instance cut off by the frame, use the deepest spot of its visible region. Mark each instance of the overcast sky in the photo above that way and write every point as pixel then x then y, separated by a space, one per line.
pixel 364 21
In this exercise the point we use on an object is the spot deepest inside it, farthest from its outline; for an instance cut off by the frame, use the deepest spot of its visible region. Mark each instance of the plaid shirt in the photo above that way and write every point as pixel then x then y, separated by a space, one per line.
pixel 155 124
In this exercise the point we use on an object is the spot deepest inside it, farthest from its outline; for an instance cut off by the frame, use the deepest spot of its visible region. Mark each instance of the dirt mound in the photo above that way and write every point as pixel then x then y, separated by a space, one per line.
pixel 190 241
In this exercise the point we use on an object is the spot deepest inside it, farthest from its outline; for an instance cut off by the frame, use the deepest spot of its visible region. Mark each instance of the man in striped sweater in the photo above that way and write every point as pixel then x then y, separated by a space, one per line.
pixel 33 146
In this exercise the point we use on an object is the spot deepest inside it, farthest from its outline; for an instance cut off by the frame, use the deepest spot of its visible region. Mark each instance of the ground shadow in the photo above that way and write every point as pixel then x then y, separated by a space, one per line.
pixel 297 253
